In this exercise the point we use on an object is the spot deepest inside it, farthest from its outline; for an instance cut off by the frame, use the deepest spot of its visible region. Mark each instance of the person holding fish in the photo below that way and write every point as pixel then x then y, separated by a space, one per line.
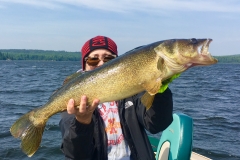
pixel 110 105
pixel 112 130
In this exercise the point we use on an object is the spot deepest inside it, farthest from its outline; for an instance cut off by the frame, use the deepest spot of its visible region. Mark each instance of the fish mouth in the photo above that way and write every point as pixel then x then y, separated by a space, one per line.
pixel 203 48
pixel 204 57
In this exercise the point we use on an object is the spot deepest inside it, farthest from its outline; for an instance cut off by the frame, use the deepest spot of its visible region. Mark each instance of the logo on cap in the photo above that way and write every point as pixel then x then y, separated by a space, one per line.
pixel 98 41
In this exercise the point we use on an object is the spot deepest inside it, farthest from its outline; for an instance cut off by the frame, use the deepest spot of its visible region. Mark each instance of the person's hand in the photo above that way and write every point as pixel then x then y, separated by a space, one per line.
pixel 83 113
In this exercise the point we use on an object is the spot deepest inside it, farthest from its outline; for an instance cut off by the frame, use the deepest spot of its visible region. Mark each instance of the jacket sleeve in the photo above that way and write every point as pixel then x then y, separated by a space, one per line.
pixel 159 116
pixel 77 138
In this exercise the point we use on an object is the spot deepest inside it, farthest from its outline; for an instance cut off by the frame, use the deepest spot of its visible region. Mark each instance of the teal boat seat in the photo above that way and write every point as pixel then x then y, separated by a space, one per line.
pixel 176 140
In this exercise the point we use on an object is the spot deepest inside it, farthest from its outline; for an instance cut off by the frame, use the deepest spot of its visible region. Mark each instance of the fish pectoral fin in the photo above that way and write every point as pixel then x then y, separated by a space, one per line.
pixel 147 100
pixel 153 88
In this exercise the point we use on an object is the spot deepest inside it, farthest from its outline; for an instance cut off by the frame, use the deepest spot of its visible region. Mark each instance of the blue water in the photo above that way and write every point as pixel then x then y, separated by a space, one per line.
pixel 210 95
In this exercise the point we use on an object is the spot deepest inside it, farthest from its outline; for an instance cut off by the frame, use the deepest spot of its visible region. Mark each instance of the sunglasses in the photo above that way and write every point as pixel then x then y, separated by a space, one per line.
pixel 93 61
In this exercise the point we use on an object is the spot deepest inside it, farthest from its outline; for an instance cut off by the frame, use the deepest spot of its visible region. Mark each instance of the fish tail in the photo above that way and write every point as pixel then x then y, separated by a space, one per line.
pixel 29 133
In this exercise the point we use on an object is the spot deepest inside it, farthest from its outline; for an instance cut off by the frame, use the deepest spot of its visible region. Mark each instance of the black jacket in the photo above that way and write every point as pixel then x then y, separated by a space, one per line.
pixel 89 142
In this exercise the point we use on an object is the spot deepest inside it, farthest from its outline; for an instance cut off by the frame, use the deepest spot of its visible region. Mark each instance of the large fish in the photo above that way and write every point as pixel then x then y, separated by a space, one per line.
pixel 141 69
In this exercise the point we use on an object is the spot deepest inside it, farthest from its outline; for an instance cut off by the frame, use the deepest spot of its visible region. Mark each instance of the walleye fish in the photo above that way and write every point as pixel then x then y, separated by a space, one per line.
pixel 141 69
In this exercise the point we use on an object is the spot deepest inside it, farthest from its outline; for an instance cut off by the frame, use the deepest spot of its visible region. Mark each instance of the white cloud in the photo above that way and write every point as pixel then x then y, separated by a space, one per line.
pixel 159 5
pixel 36 3
pixel 139 5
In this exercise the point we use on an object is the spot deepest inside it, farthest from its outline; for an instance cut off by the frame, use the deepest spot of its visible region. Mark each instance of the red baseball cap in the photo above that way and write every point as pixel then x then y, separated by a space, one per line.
pixel 98 42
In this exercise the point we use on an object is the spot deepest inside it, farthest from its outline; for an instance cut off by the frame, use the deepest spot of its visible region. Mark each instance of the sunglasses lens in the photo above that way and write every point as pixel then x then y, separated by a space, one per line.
pixel 108 58
pixel 93 61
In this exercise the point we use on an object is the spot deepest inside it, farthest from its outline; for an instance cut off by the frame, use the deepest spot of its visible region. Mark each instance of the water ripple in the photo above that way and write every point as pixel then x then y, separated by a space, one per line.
pixel 210 95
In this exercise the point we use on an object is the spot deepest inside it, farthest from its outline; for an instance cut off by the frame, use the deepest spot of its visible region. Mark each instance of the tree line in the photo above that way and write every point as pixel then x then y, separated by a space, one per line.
pixel 49 55
pixel 228 59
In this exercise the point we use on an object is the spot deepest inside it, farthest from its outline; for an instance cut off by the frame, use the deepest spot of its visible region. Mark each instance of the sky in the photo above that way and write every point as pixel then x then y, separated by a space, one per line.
pixel 68 24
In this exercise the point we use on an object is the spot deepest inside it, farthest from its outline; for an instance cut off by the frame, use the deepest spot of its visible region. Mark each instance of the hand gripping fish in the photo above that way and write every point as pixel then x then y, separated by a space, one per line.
pixel 141 69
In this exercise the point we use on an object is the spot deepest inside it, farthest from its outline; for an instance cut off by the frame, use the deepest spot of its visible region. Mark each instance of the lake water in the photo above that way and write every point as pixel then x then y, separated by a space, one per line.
pixel 210 95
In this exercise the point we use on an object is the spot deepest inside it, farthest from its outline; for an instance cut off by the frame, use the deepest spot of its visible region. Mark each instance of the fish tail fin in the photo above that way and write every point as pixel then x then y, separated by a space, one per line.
pixel 29 133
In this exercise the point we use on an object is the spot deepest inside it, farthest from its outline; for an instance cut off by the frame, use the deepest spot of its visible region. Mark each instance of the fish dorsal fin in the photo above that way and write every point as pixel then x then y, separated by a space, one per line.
pixel 72 76
pixel 147 100
pixel 68 78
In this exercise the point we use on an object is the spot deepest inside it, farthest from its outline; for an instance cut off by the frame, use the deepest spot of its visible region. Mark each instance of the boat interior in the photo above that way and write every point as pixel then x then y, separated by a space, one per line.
pixel 176 141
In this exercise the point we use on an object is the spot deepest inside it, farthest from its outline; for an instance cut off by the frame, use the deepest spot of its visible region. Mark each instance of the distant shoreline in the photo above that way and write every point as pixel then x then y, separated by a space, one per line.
pixel 49 55
pixel 46 55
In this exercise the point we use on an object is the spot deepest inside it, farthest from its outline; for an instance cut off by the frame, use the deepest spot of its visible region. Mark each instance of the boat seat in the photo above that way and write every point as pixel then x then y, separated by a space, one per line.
pixel 176 140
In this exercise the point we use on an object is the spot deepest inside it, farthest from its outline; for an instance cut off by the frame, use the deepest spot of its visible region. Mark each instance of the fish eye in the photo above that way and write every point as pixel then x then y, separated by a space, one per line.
pixel 194 40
